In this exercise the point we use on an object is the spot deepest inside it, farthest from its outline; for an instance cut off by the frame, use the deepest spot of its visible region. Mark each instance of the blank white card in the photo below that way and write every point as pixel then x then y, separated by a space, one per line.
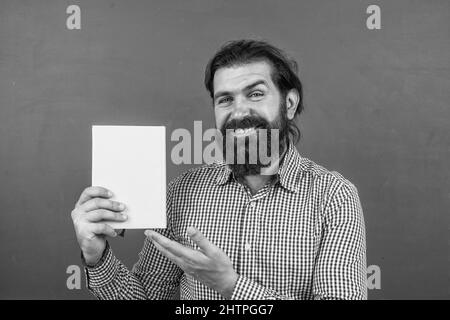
pixel 131 162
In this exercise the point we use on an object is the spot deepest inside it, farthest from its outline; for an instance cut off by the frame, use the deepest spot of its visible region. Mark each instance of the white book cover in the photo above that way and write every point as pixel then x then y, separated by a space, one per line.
pixel 131 162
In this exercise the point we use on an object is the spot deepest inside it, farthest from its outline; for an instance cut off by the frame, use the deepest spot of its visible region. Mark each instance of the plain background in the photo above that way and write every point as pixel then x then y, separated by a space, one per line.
pixel 377 111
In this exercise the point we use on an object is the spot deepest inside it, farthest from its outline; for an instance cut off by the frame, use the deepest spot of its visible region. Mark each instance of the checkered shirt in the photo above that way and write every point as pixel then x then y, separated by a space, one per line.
pixel 299 237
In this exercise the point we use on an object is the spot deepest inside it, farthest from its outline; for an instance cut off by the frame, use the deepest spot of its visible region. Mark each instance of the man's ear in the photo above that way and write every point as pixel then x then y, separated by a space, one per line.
pixel 292 100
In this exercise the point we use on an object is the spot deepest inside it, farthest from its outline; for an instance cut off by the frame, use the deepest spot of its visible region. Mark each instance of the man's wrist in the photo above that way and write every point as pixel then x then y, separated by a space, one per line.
pixel 230 284
pixel 91 263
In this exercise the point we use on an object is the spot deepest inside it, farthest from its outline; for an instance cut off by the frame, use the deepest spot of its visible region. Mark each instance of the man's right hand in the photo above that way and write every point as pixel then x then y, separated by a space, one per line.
pixel 88 217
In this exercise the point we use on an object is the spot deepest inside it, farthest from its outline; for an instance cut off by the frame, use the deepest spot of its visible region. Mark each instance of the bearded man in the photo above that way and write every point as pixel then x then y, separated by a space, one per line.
pixel 286 228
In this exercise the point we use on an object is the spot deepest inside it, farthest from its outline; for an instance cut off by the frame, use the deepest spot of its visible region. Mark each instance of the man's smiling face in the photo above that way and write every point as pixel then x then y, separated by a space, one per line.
pixel 245 91
pixel 246 100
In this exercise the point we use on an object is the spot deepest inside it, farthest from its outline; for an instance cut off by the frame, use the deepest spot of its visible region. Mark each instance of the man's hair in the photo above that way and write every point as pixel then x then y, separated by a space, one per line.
pixel 283 70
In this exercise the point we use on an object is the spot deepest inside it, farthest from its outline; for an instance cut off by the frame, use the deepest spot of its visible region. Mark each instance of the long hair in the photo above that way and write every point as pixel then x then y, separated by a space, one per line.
pixel 284 70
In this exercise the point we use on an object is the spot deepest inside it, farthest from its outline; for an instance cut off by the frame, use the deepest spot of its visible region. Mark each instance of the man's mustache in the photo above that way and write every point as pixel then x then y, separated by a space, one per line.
pixel 244 123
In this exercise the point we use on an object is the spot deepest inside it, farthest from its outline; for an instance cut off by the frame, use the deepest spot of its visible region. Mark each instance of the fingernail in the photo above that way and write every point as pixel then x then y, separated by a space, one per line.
pixel 190 231
pixel 121 206
pixel 124 217
pixel 110 193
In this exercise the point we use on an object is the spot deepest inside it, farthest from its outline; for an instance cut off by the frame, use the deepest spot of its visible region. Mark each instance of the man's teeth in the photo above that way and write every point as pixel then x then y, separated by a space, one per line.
pixel 243 131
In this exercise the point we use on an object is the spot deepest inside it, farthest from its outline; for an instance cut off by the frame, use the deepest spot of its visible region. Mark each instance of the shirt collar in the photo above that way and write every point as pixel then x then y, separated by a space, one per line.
pixel 288 173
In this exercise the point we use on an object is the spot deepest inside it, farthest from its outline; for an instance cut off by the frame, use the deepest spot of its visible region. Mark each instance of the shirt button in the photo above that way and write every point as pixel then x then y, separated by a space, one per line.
pixel 247 246
pixel 252 204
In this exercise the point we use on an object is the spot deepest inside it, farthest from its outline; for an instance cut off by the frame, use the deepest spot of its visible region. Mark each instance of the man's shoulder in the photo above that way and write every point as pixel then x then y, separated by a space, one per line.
pixel 330 180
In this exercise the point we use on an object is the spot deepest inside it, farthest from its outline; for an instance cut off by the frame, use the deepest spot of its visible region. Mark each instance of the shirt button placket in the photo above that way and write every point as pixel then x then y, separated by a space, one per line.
pixel 247 240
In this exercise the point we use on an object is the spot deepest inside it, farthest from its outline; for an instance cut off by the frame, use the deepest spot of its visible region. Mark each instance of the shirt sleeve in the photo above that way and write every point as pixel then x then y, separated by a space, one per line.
pixel 247 289
pixel 340 271
pixel 152 277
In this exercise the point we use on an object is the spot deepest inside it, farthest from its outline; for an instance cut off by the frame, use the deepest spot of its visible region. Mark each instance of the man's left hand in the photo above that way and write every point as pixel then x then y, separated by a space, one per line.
pixel 209 265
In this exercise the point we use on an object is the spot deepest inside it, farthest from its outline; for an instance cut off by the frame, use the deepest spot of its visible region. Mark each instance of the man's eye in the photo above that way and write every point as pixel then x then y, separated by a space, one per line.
pixel 256 94
pixel 224 100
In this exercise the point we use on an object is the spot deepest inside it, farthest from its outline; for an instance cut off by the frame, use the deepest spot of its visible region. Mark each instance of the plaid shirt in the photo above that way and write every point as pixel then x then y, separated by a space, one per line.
pixel 299 237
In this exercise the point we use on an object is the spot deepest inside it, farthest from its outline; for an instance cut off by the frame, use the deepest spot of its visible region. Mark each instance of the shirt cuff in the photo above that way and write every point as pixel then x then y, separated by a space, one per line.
pixel 103 272
pixel 247 289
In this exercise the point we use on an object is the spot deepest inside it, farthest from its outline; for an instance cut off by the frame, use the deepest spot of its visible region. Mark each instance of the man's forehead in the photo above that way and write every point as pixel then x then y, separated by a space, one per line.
pixel 239 76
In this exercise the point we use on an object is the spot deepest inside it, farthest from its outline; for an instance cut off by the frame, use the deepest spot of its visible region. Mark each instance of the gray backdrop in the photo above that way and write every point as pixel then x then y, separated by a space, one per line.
pixel 377 111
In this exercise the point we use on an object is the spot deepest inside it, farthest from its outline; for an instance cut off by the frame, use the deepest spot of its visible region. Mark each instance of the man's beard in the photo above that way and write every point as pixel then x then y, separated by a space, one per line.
pixel 242 162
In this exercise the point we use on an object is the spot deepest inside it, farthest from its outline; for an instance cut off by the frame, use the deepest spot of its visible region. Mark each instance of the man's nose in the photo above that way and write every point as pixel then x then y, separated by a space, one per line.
pixel 241 109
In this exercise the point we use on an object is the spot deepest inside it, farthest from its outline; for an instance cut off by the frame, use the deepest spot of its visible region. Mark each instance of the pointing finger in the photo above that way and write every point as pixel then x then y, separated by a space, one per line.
pixel 178 261
pixel 172 246
pixel 200 240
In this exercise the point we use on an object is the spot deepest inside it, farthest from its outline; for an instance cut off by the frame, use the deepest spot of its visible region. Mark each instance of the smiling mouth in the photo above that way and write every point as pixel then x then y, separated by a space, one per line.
pixel 243 132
